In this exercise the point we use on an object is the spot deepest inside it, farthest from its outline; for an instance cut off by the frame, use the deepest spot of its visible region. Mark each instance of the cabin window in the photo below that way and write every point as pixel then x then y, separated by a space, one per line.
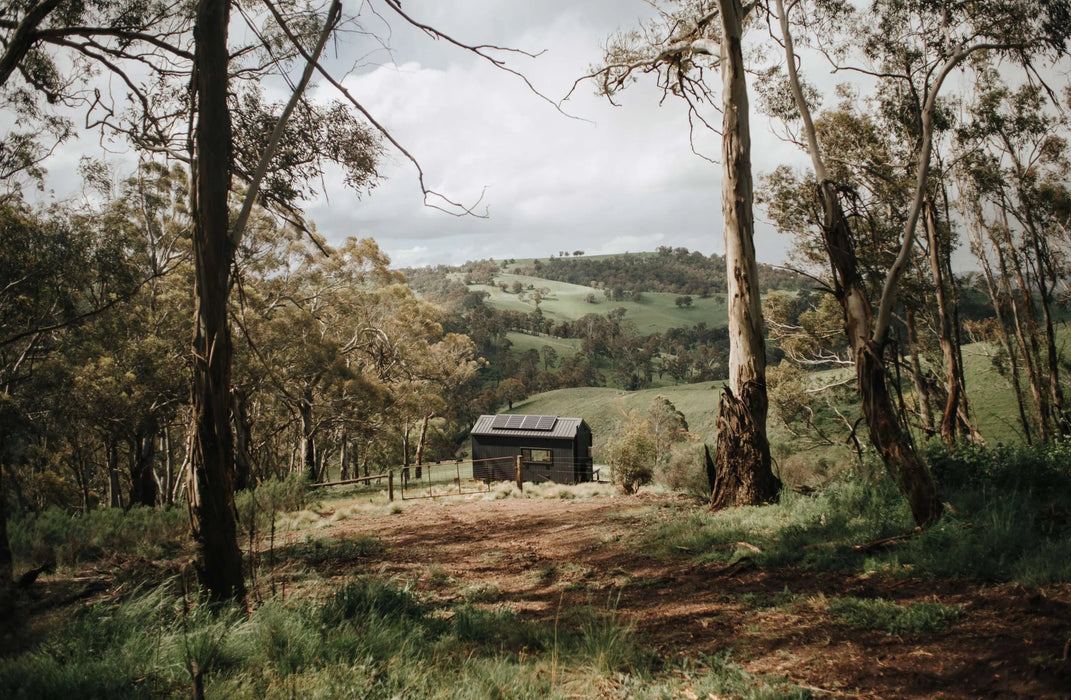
pixel 534 455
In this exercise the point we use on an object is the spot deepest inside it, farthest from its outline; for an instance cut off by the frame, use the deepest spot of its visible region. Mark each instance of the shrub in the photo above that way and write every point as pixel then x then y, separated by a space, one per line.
pixel 259 507
pixel 631 455
pixel 70 539
pixel 684 470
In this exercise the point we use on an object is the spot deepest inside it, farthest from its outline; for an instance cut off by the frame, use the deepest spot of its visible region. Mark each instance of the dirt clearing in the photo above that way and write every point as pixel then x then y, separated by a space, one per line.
pixel 542 556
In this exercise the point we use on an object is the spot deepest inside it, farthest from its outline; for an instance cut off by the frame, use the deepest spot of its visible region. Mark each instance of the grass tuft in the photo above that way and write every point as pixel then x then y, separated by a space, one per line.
pixel 889 617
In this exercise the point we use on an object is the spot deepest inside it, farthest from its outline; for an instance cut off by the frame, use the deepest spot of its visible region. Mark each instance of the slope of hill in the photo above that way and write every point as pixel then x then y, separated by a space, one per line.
pixel 655 312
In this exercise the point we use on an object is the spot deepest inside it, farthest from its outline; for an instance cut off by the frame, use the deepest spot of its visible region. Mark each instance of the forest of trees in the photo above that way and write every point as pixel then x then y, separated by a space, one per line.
pixel 336 362
pixel 674 270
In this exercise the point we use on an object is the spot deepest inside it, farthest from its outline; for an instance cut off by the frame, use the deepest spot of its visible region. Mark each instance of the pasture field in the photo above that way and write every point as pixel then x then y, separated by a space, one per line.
pixel 656 313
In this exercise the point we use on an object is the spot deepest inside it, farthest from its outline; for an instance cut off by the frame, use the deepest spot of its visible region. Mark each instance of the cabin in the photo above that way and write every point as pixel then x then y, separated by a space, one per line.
pixel 551 448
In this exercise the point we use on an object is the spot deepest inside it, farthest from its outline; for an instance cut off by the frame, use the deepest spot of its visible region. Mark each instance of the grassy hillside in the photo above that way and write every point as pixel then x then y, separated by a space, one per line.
pixel 991 396
pixel 604 408
pixel 523 342
pixel 798 461
pixel 657 312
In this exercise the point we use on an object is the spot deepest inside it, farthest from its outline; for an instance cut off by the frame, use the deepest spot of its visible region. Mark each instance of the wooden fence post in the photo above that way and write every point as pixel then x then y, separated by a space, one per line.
pixel 520 474
pixel 390 485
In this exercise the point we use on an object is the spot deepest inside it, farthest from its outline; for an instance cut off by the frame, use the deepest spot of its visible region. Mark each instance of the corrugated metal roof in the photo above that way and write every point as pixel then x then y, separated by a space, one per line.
pixel 564 428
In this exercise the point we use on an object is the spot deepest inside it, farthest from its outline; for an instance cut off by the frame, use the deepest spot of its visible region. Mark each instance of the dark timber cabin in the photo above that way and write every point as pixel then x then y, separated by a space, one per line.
pixel 550 448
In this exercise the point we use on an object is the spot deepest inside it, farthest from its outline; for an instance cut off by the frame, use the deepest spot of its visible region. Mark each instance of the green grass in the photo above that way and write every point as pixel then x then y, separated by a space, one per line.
pixel 1008 522
pixel 605 410
pixel 892 618
pixel 603 407
pixel 71 539
pixel 369 638
pixel 523 342
pixel 656 312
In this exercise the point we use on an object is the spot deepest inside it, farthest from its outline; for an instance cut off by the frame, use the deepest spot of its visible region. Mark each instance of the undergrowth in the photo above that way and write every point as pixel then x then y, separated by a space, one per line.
pixel 54 535
pixel 1007 518
pixel 892 618
pixel 370 638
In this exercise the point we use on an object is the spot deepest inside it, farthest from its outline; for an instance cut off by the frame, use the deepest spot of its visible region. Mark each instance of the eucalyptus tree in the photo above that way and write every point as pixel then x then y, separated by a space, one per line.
pixel 952 33
pixel 179 72
pixel 1015 197
pixel 679 47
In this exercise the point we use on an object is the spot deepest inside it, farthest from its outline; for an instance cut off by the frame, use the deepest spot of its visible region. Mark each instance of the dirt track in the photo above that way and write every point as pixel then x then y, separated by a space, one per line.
pixel 539 556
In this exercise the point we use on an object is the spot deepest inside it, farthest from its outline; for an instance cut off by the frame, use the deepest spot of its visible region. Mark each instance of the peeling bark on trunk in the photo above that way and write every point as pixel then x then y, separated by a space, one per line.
pixel 955 385
pixel 912 475
pixel 918 379
pixel 212 453
pixel 742 472
pixel 1025 331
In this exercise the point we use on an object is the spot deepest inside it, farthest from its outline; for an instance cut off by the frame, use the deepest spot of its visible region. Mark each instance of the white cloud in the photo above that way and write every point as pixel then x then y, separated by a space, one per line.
pixel 616 179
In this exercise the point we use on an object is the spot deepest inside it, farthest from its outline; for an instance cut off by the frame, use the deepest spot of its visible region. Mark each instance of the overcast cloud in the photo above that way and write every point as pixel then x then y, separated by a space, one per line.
pixel 606 180
pixel 609 181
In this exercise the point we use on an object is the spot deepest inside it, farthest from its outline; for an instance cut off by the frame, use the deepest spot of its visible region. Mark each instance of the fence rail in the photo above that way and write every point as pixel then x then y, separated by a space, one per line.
pixel 470 476
pixel 443 479
pixel 366 480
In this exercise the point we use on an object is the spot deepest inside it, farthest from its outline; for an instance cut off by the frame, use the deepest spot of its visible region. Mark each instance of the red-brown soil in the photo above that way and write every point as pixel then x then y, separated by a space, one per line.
pixel 541 556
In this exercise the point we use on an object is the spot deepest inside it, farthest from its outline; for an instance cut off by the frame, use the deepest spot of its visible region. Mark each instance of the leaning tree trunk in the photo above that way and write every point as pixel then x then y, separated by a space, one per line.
pixel 212 453
pixel 897 452
pixel 741 473
pixel 887 434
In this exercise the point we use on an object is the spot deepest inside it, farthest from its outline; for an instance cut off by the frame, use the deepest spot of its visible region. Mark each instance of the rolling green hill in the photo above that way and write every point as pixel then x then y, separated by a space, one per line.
pixel 656 313
pixel 606 409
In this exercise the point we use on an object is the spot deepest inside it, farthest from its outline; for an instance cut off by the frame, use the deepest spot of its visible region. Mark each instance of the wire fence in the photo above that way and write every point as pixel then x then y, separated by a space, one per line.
pixel 443 479
pixel 459 478
pixel 468 477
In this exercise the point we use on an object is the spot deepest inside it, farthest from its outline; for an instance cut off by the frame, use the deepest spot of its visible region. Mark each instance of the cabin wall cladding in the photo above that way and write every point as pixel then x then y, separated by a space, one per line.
pixel 551 448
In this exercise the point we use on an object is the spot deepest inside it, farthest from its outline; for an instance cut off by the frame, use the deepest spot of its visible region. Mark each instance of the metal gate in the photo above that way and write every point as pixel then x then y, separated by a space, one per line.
pixel 445 479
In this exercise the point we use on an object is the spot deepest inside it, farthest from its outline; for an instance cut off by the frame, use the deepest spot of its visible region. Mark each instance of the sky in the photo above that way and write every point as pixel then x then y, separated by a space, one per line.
pixel 603 179
pixel 590 176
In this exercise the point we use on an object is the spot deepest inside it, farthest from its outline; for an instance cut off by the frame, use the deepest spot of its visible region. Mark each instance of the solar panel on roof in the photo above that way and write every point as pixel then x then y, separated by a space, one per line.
pixel 546 422
pixel 520 422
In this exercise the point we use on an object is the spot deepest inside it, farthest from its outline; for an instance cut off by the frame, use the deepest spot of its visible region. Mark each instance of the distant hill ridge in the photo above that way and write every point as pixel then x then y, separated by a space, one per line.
pixel 672 270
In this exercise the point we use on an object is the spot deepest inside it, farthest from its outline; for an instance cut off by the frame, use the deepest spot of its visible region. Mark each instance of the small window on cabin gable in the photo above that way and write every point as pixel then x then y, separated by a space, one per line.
pixel 529 454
